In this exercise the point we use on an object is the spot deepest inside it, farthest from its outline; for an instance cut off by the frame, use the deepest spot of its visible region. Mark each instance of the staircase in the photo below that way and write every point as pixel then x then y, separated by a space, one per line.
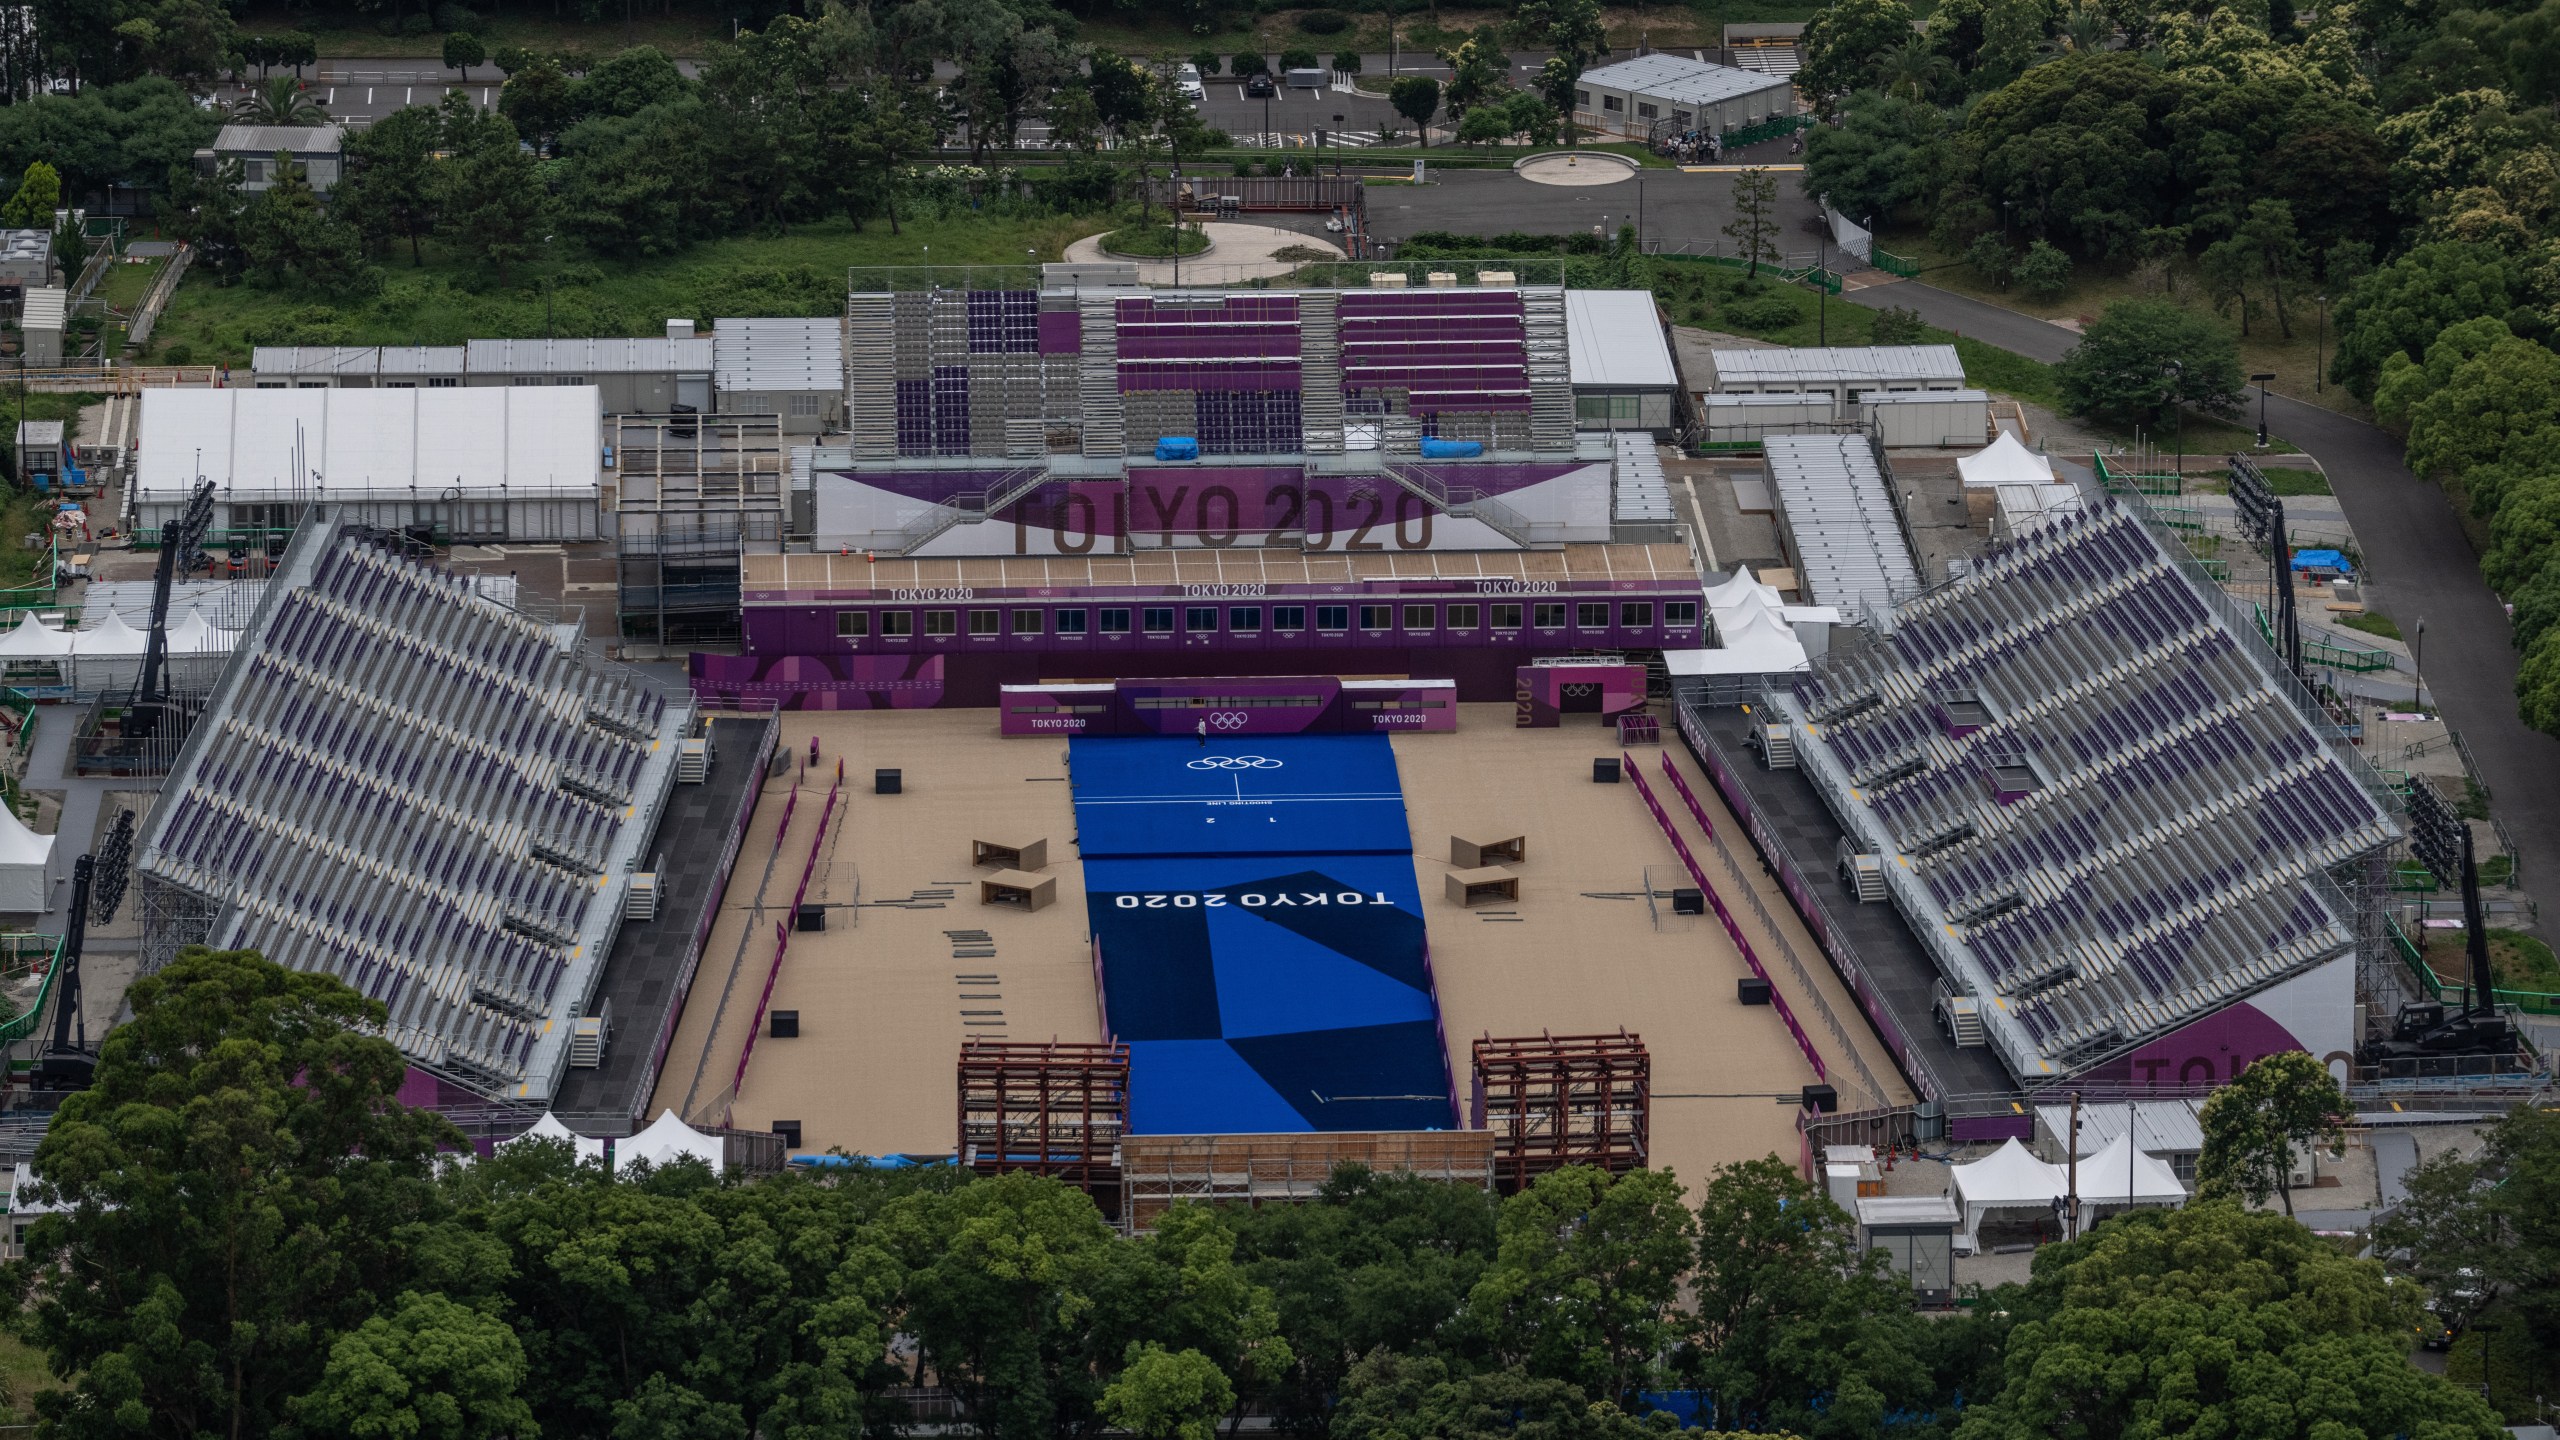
pixel 1865 874
pixel 971 506
pixel 1462 502
pixel 870 332
pixel 1320 372
pixel 1550 368
pixel 1778 746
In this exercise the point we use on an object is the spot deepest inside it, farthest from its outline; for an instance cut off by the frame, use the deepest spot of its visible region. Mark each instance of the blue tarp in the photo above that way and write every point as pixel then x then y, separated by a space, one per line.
pixel 1450 449
pixel 2322 560
pixel 1177 447
pixel 870 1162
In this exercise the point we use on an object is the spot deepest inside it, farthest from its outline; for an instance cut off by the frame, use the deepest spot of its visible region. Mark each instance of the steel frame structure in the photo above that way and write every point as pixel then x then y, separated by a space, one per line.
pixel 1052 1108
pixel 1558 1100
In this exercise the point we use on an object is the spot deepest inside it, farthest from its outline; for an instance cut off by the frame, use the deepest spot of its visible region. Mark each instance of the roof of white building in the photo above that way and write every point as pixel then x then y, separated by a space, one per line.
pixel 1847 538
pixel 1836 365
pixel 1681 80
pixel 778 353
pixel 1614 338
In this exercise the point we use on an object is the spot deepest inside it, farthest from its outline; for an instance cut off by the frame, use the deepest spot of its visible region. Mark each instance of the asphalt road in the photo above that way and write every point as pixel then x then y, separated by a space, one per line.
pixel 2419 563
pixel 1676 208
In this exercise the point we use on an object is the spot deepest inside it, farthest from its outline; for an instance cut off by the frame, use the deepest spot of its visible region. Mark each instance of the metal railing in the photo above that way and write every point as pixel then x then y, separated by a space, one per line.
pixel 970 507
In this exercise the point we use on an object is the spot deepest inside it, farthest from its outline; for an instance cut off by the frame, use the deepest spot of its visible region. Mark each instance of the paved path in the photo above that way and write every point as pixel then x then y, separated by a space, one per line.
pixel 1236 252
pixel 2420 562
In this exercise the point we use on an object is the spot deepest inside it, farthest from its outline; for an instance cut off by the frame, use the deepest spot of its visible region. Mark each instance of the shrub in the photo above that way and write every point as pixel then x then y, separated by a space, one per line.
pixel 1347 61
pixel 2045 271
pixel 1206 62
pixel 179 354
pixel 1324 22
pixel 1775 310
pixel 2120 371
pixel 1299 58
pixel 1897 326
pixel 1246 62
pixel 1991 255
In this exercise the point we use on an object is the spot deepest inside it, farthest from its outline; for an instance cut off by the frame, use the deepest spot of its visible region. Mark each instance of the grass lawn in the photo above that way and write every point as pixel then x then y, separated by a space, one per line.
pixel 2517 960
pixel 2094 286
pixel 2372 622
pixel 126 281
pixel 445 303
pixel 22 1373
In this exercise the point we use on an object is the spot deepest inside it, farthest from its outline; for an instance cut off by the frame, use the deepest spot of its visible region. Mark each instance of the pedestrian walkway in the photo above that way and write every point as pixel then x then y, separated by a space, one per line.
pixel 1235 253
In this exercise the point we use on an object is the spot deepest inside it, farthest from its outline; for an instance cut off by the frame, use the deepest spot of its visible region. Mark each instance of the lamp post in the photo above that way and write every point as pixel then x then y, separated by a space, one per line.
pixel 1821 292
pixel 2320 351
pixel 2174 373
pixel 2260 380
pixel 2418 662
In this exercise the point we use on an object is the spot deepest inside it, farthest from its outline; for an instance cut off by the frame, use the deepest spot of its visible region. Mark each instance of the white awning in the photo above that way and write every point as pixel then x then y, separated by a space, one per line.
pixel 2122 1175
pixel 33 639
pixel 2009 1178
pixel 668 1140
pixel 2005 461
pixel 111 636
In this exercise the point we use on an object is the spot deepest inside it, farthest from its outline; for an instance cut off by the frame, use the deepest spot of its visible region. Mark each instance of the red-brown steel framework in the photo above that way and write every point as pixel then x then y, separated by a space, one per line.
pixel 1558 1100
pixel 1050 1107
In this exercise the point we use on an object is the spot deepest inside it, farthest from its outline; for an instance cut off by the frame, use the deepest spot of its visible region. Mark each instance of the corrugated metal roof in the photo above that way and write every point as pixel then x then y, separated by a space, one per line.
pixel 1614 338
pixel 268 139
pixel 356 360
pixel 1837 365
pixel 1637 491
pixel 2160 1127
pixel 778 353
pixel 39 432
pixel 537 440
pixel 590 357
pixel 1925 397
pixel 1682 81
pixel 44 308
pixel 1849 546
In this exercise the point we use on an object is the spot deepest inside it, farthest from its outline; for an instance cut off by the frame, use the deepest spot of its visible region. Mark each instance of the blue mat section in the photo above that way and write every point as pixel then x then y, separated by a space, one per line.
pixel 1283 795
pixel 1261 989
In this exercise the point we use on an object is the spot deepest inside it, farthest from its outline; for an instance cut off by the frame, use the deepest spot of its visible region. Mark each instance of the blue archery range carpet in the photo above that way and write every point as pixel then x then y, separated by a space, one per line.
pixel 1261 933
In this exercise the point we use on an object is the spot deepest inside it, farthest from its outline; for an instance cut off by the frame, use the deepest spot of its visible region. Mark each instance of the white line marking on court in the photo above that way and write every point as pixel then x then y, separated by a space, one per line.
pixel 333 96
pixel 368 94
pixel 409 95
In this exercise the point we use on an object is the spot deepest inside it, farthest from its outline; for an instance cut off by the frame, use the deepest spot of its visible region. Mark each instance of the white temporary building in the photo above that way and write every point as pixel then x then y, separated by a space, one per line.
pixel 2005 461
pixel 26 866
pixel 1757 632
pixel 196 635
pixel 2121 1176
pixel 2009 1178
pixel 668 1140
pixel 482 463
pixel 34 640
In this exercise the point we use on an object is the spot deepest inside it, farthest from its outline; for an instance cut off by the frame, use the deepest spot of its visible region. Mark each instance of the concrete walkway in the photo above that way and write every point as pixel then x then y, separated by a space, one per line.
pixel 2420 565
pixel 1236 252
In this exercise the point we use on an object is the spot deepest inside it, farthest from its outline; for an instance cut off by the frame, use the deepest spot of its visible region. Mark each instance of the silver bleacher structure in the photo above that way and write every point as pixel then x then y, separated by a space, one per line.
pixel 2100 807
pixel 435 797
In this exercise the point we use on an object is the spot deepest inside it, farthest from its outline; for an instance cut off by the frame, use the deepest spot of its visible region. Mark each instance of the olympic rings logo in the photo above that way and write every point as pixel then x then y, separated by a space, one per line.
pixel 1226 720
pixel 1578 691
pixel 1234 762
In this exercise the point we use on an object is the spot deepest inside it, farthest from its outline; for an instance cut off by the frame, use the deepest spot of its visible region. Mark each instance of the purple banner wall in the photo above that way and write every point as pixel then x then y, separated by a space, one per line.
pixel 820 682
pixel 1283 705
pixel 1541 694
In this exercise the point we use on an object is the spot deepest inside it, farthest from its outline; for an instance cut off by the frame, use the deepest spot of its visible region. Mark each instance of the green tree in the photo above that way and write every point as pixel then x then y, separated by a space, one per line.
pixel 2524 534
pixel 1754 227
pixel 490 203
pixel 462 51
pixel 1168 1395
pixel 2405 383
pixel 1205 61
pixel 388 191
pixel 539 99
pixel 1886 155
pixel 2045 271
pixel 430 1370
pixel 1346 62
pixel 1992 259
pixel 2276 249
pixel 888 133
pixel 279 101
pixel 2499 408
pixel 296 48
pixel 1842 43
pixel 1479 72
pixel 2213 1320
pixel 240 1187
pixel 637 186
pixel 1396 1397
pixel 1416 98
pixel 204 211
pixel 1895 325
pixel 39 195
pixel 2012 34
pixel 2120 370
pixel 1573 34
pixel 1797 1327
pixel 292 243
pixel 2078 150
pixel 1912 70
pixel 2403 305
pixel 2253 1125
pixel 1485 125
pixel 1247 63
pixel 1529 114
pixel 1585 1284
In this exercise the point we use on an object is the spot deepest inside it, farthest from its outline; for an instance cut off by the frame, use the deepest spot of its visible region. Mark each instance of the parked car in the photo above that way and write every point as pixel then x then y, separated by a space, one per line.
pixel 1187 80
pixel 1258 84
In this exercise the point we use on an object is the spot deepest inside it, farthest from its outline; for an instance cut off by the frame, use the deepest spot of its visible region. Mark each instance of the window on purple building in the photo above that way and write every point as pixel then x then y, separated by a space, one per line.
pixel 1288 617
pixel 852 624
pixel 1333 619
pixel 1245 619
pixel 1071 622
pixel 1026 622
pixel 1590 614
pixel 1201 619
pixel 1506 617
pixel 1419 617
pixel 986 622
pixel 1377 617
pixel 1680 614
pixel 1158 619
pixel 1113 622
pixel 897 624
pixel 1463 617
pixel 1549 615
pixel 1636 615
pixel 942 622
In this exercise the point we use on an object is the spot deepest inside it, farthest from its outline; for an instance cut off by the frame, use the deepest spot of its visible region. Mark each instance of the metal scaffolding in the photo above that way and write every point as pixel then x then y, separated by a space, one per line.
pixel 1051 1108
pixel 1558 1100
pixel 1160 1171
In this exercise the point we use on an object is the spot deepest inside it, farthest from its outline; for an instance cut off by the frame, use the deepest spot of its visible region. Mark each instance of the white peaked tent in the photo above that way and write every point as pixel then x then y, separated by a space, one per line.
pixel 667 1140
pixel 196 635
pixel 2005 461
pixel 33 640
pixel 550 1128
pixel 2009 1178
pixel 2121 1176
pixel 109 637
pixel 26 865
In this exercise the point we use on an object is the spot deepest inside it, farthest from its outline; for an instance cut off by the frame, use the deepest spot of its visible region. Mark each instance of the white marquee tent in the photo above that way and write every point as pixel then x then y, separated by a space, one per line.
pixel 26 866
pixel 550 1128
pixel 34 640
pixel 668 1140
pixel 2121 1176
pixel 2005 461
pixel 2009 1178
